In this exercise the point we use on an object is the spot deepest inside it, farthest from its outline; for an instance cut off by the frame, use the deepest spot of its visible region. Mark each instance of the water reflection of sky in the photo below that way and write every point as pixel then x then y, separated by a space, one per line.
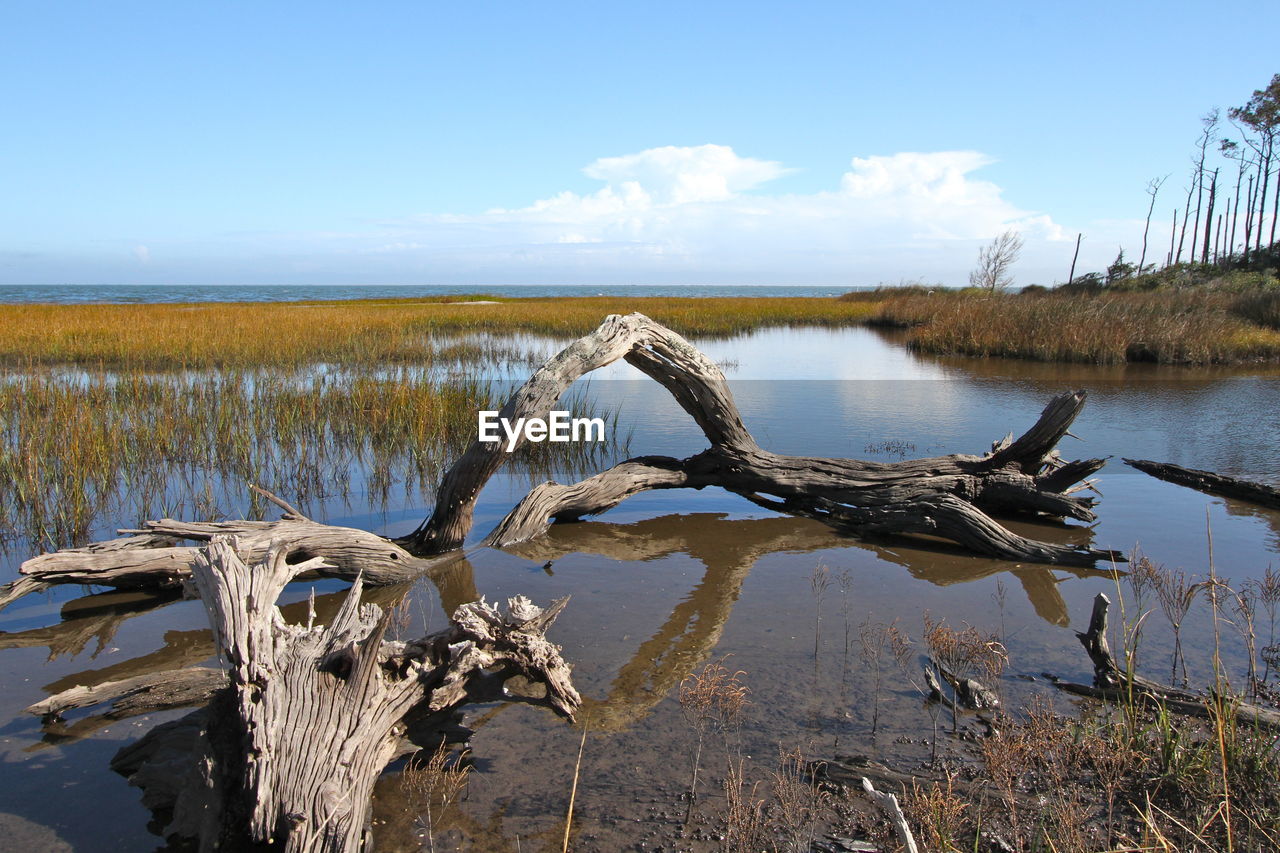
pixel 854 392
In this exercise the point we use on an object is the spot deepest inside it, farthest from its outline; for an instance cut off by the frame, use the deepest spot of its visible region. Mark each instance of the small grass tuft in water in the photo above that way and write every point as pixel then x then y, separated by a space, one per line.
pixel 434 785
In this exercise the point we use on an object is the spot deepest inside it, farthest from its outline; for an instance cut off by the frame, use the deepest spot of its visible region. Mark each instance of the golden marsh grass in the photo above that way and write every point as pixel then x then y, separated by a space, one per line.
pixel 367 332
pixel 78 447
pixel 1169 327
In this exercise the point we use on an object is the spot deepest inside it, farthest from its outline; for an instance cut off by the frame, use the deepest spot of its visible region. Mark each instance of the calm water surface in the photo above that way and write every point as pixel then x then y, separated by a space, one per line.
pixel 672 580
pixel 151 293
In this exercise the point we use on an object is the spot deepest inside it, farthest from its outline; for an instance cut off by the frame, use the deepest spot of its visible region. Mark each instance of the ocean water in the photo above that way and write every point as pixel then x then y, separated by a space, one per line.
pixel 88 293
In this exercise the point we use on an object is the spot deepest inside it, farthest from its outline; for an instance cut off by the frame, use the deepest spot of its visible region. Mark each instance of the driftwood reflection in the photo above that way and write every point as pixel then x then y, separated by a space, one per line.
pixel 727 548
pixel 940 564
pixel 87 618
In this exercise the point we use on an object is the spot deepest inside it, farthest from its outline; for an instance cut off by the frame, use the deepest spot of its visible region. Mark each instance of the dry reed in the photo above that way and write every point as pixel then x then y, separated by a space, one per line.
pixel 368 332
pixel 1165 327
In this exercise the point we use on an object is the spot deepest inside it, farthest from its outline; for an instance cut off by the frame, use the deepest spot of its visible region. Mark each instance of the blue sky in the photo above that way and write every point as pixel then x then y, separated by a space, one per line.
pixel 502 143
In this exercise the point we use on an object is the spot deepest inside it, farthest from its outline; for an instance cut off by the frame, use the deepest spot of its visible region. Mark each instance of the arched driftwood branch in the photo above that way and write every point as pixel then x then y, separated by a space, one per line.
pixel 945 496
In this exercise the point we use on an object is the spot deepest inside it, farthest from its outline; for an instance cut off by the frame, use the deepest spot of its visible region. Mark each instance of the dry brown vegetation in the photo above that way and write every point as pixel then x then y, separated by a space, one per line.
pixel 1107 776
pixel 253 334
pixel 432 786
pixel 1201 325
pixel 1186 327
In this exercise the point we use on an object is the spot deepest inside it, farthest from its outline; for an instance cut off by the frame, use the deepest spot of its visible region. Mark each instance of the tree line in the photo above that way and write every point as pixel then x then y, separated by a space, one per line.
pixel 1236 158
pixel 1237 230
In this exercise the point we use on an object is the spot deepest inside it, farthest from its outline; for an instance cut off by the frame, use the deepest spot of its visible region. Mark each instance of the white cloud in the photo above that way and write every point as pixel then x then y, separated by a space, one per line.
pixel 703 214
pixel 672 175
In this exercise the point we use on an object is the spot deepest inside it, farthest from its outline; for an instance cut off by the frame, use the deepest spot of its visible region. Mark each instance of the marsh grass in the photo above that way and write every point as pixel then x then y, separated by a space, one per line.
pixel 1104 785
pixel 1168 327
pixel 360 332
pixel 799 801
pixel 77 447
pixel 942 815
pixel 712 700
pixel 965 653
pixel 1125 775
pixel 433 786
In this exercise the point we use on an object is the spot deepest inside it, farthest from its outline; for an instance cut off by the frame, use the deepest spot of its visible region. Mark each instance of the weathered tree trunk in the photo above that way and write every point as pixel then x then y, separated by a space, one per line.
pixel 1207 481
pixel 1208 219
pixel 290 750
pixel 1248 221
pixel 1153 189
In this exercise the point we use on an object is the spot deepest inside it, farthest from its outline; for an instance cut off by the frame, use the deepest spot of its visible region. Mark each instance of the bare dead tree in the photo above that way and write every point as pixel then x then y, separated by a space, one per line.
pixel 1208 218
pixel 1071 276
pixel 994 260
pixel 1248 218
pixel 1186 217
pixel 1232 151
pixel 1153 189
pixel 1207 136
pixel 1217 235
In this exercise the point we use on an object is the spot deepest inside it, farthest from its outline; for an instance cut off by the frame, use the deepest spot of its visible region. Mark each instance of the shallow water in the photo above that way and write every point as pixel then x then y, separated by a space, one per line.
pixel 669 581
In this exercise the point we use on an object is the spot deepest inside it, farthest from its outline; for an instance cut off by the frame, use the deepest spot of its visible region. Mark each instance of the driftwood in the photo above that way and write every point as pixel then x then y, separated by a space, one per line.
pixel 889 804
pixel 130 697
pixel 289 752
pixel 1113 683
pixel 1207 481
pixel 849 770
pixel 948 497
pixel 151 558
pixel 169 677
pixel 966 693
